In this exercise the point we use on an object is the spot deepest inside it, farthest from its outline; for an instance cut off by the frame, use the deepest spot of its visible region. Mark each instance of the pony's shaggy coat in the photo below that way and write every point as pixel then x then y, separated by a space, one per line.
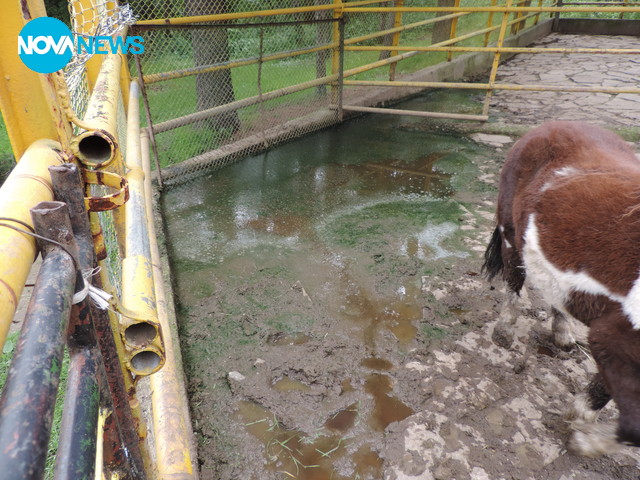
pixel 569 223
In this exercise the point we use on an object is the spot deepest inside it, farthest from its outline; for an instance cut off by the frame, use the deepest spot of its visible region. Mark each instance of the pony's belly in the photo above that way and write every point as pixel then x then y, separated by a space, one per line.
pixel 554 285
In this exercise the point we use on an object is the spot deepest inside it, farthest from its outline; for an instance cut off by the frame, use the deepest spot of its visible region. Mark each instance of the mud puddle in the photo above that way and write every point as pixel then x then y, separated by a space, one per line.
pixel 328 291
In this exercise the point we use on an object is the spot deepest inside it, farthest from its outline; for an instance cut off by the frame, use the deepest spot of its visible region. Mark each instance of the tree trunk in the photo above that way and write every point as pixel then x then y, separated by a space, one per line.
pixel 442 30
pixel 323 36
pixel 211 45
pixel 386 22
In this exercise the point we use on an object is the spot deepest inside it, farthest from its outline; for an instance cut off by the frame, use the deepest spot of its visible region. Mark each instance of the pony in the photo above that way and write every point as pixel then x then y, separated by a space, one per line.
pixel 568 222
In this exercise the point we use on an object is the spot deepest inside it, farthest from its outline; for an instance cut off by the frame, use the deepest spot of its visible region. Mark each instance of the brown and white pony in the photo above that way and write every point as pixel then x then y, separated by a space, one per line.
pixel 569 222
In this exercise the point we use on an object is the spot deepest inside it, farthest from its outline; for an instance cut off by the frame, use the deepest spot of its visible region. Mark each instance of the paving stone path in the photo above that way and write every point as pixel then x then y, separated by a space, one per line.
pixel 609 70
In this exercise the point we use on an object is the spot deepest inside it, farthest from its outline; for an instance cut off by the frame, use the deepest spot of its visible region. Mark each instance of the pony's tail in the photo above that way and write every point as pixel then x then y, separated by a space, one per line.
pixel 493 265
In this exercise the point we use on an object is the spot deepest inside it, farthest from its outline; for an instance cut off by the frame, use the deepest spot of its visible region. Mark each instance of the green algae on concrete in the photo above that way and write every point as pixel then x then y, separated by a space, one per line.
pixel 325 239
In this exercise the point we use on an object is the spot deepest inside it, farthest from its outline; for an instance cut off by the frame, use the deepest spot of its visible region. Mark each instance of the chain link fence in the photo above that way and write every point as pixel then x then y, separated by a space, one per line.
pixel 219 91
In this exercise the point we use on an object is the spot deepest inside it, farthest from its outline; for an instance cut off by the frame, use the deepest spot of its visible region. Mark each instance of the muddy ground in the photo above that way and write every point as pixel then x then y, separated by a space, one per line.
pixel 354 342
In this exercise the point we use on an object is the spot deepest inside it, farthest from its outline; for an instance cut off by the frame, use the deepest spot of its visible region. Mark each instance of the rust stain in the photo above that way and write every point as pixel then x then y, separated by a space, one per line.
pixel 11 292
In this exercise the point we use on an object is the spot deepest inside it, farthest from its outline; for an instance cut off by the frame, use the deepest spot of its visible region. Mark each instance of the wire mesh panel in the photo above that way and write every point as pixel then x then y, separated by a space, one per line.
pixel 281 71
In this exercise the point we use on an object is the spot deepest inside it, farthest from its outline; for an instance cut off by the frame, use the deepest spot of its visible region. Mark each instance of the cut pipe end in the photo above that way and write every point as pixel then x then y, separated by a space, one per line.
pixel 96 148
pixel 146 362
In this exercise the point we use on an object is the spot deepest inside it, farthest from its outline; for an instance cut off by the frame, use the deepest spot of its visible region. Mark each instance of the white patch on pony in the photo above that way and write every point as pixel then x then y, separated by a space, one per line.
pixel 631 304
pixel 556 285
pixel 561 172
pixel 566 171
pixel 506 243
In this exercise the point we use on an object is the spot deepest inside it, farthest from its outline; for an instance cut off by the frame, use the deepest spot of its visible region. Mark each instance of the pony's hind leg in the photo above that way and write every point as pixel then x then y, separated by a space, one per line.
pixel 588 437
pixel 503 332
pixel 561 330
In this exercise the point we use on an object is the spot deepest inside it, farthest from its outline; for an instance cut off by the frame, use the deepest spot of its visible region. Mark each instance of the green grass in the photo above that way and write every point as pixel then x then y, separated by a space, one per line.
pixel 5 363
pixel 7 161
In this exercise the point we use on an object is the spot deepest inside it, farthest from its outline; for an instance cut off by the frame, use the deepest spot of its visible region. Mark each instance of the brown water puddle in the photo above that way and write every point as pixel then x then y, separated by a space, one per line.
pixel 387 409
pixel 398 315
pixel 297 455
pixel 344 419
pixel 417 176
pixel 281 225
pixel 291 452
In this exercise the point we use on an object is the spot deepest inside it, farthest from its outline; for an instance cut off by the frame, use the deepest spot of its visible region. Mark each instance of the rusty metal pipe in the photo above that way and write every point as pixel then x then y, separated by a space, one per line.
pixel 28 399
pixel 125 450
pixel 78 435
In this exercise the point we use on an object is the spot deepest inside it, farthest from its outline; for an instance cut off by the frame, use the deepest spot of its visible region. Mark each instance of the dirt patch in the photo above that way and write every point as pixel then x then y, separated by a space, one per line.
pixel 335 325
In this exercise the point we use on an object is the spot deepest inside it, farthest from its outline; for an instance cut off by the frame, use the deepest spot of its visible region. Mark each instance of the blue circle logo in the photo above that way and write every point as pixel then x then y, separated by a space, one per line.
pixel 45 45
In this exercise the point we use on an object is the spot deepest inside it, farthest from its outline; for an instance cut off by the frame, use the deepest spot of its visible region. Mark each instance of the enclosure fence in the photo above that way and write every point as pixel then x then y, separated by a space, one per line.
pixel 218 81
pixel 221 82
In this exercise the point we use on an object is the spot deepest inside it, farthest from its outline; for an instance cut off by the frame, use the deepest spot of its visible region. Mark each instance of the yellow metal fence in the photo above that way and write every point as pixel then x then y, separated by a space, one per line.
pixel 217 82
pixel 268 75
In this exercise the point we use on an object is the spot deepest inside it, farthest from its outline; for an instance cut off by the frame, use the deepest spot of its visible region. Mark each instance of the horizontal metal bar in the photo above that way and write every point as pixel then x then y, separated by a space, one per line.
pixel 349 8
pixel 487 86
pixel 211 112
pixel 489 9
pixel 185 72
pixel 415 113
pixel 235 16
pixel 611 51
pixel 594 3
pixel 144 27
pixel 409 26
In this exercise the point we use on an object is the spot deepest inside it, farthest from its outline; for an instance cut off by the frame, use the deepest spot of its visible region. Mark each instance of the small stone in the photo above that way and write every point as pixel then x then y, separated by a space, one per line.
pixel 259 362
pixel 237 376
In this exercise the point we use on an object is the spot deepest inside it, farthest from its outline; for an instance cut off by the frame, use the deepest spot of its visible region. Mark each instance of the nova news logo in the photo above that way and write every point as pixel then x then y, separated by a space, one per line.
pixel 46 45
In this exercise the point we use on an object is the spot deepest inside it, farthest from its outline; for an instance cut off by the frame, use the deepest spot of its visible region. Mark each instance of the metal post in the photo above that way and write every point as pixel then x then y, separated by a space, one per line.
pixel 28 399
pixel 397 23
pixel 147 111
pixel 454 28
pixel 337 54
pixel 487 36
pixel 496 58
pixel 341 23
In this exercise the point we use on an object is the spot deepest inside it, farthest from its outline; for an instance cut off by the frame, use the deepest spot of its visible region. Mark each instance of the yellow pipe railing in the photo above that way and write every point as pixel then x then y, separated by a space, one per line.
pixel 351 8
pixel 141 334
pixel 97 148
pixel 172 429
pixel 28 184
pixel 484 86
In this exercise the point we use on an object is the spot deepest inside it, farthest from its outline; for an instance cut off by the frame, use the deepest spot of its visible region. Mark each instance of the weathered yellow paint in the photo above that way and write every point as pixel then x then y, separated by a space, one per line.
pixel 175 451
pixel 496 58
pixel 97 148
pixel 141 333
pixel 28 100
pixel 28 184
pixel 454 29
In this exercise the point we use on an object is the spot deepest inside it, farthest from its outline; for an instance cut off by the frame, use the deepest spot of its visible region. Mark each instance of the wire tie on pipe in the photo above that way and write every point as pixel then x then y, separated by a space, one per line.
pixel 99 297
